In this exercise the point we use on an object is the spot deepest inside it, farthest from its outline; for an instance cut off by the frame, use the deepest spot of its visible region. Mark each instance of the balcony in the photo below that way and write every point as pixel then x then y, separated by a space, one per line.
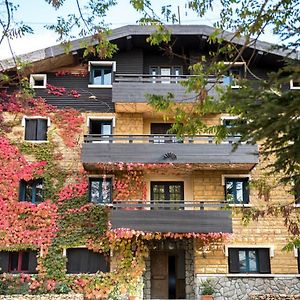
pixel 201 150
pixel 132 88
pixel 176 216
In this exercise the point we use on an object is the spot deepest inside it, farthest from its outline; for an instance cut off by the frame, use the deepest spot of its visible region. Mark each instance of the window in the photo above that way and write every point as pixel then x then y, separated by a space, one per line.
pixel 234 74
pixel 295 84
pixel 249 260
pixel 38 81
pixel 18 261
pixel 162 135
pixel 31 191
pixel 36 129
pixel 167 194
pixel 100 190
pixel 101 73
pixel 237 190
pixel 82 260
pixel 298 259
pixel 165 74
pixel 296 189
pixel 102 127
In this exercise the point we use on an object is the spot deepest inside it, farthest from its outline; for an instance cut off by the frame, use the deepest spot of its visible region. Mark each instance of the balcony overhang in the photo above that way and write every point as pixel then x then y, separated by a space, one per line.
pixel 204 155
pixel 176 221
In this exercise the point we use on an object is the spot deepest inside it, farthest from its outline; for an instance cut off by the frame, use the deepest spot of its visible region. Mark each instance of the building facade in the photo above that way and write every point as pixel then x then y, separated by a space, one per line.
pixel 185 199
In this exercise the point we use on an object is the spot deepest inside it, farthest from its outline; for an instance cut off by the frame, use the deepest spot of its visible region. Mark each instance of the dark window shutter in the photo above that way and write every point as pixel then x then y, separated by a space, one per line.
pixel 32 262
pixel 4 261
pixel 96 262
pixel 85 261
pixel 74 261
pixel 30 129
pixel 299 261
pixel 22 190
pixel 246 191
pixel 264 260
pixel 41 129
pixel 233 260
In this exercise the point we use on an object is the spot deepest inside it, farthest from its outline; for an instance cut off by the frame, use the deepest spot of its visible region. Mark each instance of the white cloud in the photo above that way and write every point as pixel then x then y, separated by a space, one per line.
pixel 27 44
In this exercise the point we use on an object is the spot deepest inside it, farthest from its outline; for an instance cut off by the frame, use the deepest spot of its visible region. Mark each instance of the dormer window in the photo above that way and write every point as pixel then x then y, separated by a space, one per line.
pixel 101 73
pixel 295 84
pixel 234 74
pixel 38 81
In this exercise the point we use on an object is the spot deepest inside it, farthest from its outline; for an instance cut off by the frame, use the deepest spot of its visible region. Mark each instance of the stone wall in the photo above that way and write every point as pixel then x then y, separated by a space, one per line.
pixel 238 288
pixel 275 297
pixel 43 297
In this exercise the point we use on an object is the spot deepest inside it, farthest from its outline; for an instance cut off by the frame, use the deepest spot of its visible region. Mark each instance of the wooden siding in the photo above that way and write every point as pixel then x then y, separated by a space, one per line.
pixel 93 153
pixel 180 221
pixel 129 62
pixel 102 103
pixel 162 60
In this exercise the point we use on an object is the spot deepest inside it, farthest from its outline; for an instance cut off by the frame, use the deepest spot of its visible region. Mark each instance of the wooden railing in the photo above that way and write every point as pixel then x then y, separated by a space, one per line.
pixel 169 204
pixel 155 139
pixel 148 78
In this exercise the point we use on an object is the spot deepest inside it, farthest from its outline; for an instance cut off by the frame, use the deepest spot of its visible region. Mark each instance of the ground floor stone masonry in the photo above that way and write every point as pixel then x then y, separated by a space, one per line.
pixel 252 288
pixel 43 297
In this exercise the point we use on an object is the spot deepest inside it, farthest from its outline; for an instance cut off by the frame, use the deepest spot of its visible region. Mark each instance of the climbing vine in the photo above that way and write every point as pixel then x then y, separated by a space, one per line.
pixel 65 218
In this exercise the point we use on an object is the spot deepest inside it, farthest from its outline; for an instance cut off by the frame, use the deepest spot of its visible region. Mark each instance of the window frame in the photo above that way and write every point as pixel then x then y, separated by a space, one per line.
pixel 34 183
pixel 106 257
pixel 246 192
pixel 20 255
pixel 232 65
pixel 28 118
pixel 167 199
pixel 97 178
pixel 292 87
pixel 261 267
pixel 92 65
pixel 34 77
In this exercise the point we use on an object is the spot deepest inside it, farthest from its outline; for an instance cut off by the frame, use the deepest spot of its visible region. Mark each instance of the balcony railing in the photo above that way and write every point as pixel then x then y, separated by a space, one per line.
pixel 155 139
pixel 132 88
pixel 201 216
pixel 164 79
pixel 169 204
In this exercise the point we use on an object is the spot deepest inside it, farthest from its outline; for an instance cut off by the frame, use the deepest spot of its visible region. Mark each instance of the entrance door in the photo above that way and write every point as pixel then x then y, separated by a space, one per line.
pixel 167 275
pixel 167 194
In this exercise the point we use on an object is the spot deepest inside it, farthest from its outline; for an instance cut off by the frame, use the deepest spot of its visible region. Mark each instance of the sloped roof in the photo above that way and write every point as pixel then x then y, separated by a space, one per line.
pixel 131 30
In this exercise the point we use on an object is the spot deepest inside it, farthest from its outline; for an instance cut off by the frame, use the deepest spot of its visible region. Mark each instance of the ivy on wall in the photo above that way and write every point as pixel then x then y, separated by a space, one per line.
pixel 65 218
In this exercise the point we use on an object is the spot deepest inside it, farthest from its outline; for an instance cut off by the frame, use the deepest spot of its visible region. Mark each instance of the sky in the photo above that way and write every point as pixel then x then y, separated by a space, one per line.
pixel 38 13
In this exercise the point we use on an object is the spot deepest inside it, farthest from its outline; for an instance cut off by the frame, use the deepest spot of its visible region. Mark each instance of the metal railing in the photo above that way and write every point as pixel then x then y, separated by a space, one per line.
pixel 169 204
pixel 155 139
pixel 149 78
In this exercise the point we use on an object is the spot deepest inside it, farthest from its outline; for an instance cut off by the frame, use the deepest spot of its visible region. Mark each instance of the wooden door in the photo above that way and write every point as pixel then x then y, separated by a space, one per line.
pixel 167 274
pixel 159 275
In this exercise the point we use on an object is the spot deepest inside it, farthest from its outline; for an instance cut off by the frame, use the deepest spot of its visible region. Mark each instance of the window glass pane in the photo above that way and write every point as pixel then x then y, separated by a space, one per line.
pixel 107 77
pixel 25 261
pixel 106 191
pixel 28 191
pixel 39 191
pixel 252 261
pixel 97 76
pixel 106 129
pixel 242 261
pixel 95 191
pixel 229 191
pixel 239 192
pixel 14 257
pixel 158 192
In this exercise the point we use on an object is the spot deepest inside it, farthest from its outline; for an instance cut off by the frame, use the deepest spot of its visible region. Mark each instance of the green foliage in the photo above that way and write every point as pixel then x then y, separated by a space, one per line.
pixel 207 287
